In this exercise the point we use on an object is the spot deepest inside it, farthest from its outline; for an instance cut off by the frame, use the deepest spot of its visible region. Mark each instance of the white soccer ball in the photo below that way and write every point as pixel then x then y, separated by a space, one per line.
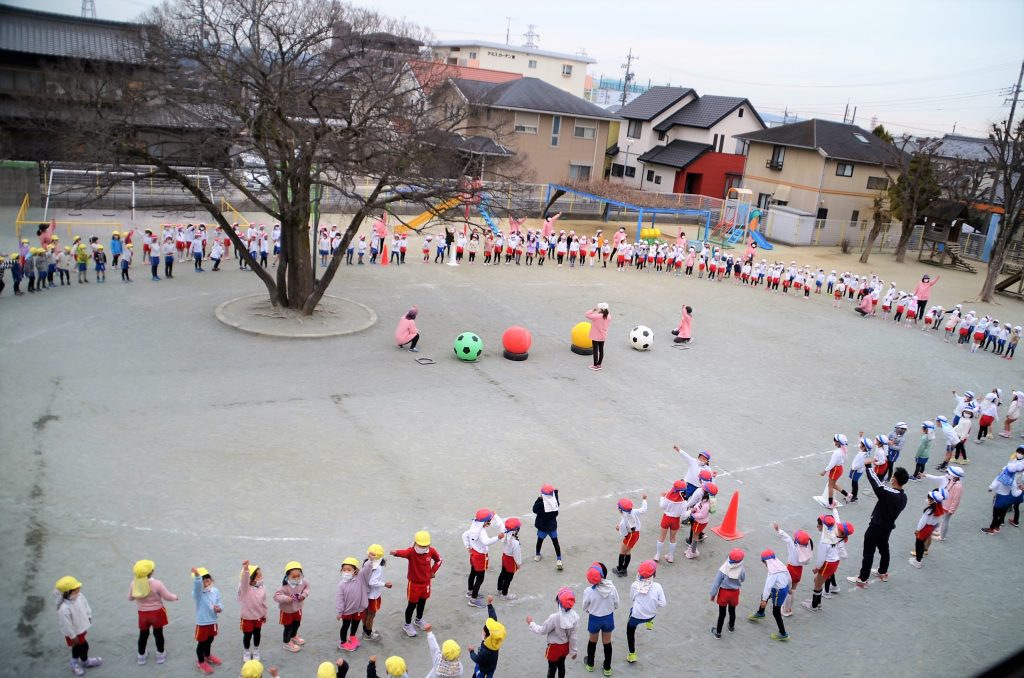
pixel 641 338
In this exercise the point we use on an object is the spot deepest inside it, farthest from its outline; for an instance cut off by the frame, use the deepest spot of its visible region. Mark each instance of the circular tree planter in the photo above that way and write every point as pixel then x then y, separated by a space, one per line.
pixel 333 317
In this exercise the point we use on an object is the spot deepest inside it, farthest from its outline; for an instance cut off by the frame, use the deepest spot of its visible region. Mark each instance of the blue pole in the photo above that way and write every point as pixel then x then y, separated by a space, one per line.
pixel 990 237
pixel 639 223
pixel 547 199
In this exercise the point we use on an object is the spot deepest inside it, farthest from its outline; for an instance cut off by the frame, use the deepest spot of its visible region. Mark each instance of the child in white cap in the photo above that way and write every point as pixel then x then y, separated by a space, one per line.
pixel 926 525
pixel 923 449
pixel 834 468
pixel 1012 413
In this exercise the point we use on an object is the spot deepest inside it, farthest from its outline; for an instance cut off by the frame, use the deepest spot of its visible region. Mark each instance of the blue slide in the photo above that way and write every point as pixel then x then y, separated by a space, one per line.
pixel 488 218
pixel 761 241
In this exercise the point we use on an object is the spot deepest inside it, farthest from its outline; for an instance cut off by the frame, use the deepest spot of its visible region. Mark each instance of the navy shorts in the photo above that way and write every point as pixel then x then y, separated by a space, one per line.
pixel 541 534
pixel 605 623
pixel 634 622
pixel 856 475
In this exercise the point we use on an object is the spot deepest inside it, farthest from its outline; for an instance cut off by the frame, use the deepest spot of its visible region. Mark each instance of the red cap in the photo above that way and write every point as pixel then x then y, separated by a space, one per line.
pixel 828 521
pixel 547 489
pixel 802 538
pixel 566 598
pixel 706 475
pixel 595 574
pixel 767 554
pixel 625 504
pixel 848 528
pixel 513 524
pixel 647 568
pixel 736 556
pixel 679 486
pixel 711 489
pixel 484 515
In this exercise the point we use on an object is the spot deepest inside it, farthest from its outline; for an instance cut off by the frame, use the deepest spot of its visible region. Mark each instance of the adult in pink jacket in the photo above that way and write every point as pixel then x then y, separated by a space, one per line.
pixel 682 332
pixel 406 332
pixel 866 306
pixel 599 322
pixel 923 291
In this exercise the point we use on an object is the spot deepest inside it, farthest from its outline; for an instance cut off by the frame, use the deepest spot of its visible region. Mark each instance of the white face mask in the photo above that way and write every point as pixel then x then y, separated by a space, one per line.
pixel 295 582
pixel 346 576
pixel 422 549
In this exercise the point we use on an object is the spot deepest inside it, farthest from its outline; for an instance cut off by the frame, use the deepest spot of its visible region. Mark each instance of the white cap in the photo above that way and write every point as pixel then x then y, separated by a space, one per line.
pixel 603 306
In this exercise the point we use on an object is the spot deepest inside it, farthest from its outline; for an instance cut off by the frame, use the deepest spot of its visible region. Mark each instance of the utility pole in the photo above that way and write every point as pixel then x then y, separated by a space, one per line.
pixel 1016 95
pixel 629 75
pixel 508 30
pixel 846 111
pixel 88 9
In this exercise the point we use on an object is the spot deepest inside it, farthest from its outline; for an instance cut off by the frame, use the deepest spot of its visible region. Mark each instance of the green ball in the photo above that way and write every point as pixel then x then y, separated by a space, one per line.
pixel 468 346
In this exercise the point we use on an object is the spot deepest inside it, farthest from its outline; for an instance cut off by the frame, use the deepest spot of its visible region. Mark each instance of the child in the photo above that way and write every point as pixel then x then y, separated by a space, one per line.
pixel 881 455
pixel 477 543
pixel 560 629
pixel 1012 413
pixel 351 601
pixel 698 510
pixel 82 259
pixel 926 525
pixel 989 414
pixel 425 249
pixel 963 433
pixel 64 259
pixel 600 600
pixel 290 599
pixel 725 590
pixel 799 549
pixel 951 440
pixel 511 557
pixel 100 259
pixel 207 599
pixel 545 507
pixel 827 561
pixel 197 251
pixel 837 294
pixel 1011 344
pixel 393 665
pixel 446 662
pixel 149 595
pixel 494 633
pixel 648 597
pixel 1007 491
pixel 217 253
pixel 375 562
pixel 923 449
pixel 694 468
pixel 75 617
pixel 776 588
pixel 953 485
pixel 673 504
pixel 629 528
pixel 895 446
pixel 424 562
pixel 252 601
pixel 168 251
pixel 834 468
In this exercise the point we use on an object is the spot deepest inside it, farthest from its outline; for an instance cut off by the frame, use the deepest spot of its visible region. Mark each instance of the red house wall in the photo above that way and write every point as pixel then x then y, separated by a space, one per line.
pixel 713 167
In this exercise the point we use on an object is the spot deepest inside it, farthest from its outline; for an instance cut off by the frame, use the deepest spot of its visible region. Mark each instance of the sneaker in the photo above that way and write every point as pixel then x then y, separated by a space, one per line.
pixel 787 613
pixel 1013 523
pixel 588 667
pixel 669 559
pixel 246 656
pixel 419 623
pixel 988 530
pixel 291 647
pixel 595 367
pixel 374 636
pixel 76 668
pixel 810 606
pixel 414 350
pixel 826 594
pixel 1004 434
pixel 852 500
pixel 204 668
pixel 856 581
pixel 510 596
pixel 631 658
pixel 142 660
pixel 915 563
pixel 756 616
pixel 649 625
pixel 779 636
pixel 558 565
pixel 256 653
pixel 298 641
pixel 537 558
pixel 715 633
pixel 836 590
pixel 161 657
pixel 476 602
pixel 347 646
pixel 409 629
pixel 732 628
pixel 607 672
pixel 657 558
pixel 214 659
pixel 93 662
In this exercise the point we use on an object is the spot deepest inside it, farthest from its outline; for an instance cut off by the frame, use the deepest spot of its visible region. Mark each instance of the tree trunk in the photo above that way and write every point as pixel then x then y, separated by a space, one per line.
pixel 876 228
pixel 995 268
pixel 906 229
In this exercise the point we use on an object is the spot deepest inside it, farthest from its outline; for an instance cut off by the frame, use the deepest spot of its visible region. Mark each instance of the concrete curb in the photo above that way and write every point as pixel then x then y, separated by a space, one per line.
pixel 222 316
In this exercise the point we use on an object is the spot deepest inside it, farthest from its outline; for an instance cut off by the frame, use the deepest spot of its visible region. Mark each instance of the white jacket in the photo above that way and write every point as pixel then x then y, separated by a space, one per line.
pixel 75 616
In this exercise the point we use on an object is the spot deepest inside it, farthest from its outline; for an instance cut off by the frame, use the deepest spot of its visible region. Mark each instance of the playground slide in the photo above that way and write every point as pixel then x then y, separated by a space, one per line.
pixel 437 210
pixel 486 214
pixel 761 241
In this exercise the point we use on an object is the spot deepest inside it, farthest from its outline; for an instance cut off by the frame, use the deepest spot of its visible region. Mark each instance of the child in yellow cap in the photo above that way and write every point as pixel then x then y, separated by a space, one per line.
pixel 445 657
pixel 253 668
pixel 394 666
pixel 486 659
pixel 207 600
pixel 149 595
pixel 338 669
pixel 290 598
pixel 75 618
pixel 378 582
pixel 252 601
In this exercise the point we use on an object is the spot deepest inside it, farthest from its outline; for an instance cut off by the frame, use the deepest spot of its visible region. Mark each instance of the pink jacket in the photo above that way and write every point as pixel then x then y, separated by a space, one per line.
pixel 866 304
pixel 599 325
pixel 252 600
pixel 952 502
pixel 924 289
pixel 684 325
pixel 405 331
pixel 291 599
pixel 353 596
pixel 158 593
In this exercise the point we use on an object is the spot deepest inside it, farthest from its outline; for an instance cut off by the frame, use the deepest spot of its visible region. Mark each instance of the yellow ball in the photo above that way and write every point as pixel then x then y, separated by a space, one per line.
pixel 581 335
pixel 655 232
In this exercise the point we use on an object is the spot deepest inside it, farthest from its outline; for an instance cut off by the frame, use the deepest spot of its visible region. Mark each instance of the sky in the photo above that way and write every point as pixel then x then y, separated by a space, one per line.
pixel 917 66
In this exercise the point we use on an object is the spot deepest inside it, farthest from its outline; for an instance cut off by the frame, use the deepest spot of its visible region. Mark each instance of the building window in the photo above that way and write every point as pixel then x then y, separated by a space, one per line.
pixel 630 171
pixel 855 217
pixel 878 183
pixel 567 70
pixel 741 113
pixel 650 175
pixel 526 123
pixel 532 63
pixel 581 131
pixel 633 129
pixel 657 178
pixel 778 157
pixel 617 169
pixel 721 143
pixel 661 136
pixel 714 143
pixel 844 169
pixel 556 129
pixel 763 199
pixel 472 55
pixel 579 172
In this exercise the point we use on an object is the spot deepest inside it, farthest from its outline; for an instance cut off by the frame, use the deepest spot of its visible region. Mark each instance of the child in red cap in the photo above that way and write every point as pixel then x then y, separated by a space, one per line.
pixel 477 543
pixel 725 590
pixel 827 561
pixel 799 550
pixel 511 557
pixel 673 505
pixel 648 597
pixel 545 507
pixel 629 528
pixel 601 599
pixel 560 629
pixel 776 589
pixel 699 510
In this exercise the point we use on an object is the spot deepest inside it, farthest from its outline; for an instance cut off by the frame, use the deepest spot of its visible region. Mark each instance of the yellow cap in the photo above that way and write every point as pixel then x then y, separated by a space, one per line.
pixel 65 584
pixel 67 249
pixel 496 634
pixel 129 245
pixel 395 666
pixel 202 572
pixel 450 650
pixel 350 561
pixel 327 670
pixel 251 669
pixel 99 247
pixel 14 255
pixel 375 550
pixel 293 565
pixel 56 237
pixel 143 568
pixel 252 569
pixel 24 241
pixel 115 233
pixel 422 538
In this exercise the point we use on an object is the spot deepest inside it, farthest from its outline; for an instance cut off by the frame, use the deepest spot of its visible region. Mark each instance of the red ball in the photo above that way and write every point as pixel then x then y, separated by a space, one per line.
pixel 516 339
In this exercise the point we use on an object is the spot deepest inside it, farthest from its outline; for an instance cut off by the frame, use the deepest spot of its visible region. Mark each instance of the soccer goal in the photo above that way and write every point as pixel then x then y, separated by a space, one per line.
pixel 120 190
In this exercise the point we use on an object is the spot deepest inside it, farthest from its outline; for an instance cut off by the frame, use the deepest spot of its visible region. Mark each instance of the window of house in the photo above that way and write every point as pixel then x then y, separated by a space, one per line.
pixel 844 169
pixel 650 175
pixel 630 171
pixel 763 199
pixel 740 114
pixel 567 70
pixel 714 143
pixel 661 136
pixel 472 55
pixel 532 63
pixel 657 178
pixel 617 169
pixel 878 183
pixel 633 129
pixel 556 129
pixel 584 131
pixel 388 62
pixel 778 157
pixel 579 172
pixel 526 123
pixel 721 143
pixel 855 217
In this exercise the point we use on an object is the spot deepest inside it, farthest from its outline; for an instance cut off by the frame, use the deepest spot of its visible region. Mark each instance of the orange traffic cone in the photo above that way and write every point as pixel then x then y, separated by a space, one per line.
pixel 727 530
pixel 383 254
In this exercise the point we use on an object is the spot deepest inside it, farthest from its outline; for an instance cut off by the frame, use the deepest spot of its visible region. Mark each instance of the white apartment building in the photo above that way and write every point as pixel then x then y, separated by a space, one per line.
pixel 567 72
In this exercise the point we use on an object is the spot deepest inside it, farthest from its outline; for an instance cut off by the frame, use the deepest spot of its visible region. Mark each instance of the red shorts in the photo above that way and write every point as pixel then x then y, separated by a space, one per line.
pixel 986 420
pixel 874 302
pixel 963 331
pixel 630 540
pixel 373 605
pixel 836 473
pixel 288 618
pixel 622 258
pixel 458 250
pixel 911 314
pixel 901 309
pixel 798 286
pixel 886 307
pixel 796 572
pixel 250 625
pixel 205 632
pixel 700 266
pixel 179 245
pixel 978 336
pixel 925 532
pixel 829 569
pixel 477 560
pixel 556 651
pixel 669 523
pixel 358 616
pixel 155 618
pixel 426 250
pixel 880 469
pixel 508 250
pixel 928 320
pixel 508 563
pixel 659 260
pixel 77 640
pixel 729 597
pixel 679 264
pixel 414 592
pixel 698 528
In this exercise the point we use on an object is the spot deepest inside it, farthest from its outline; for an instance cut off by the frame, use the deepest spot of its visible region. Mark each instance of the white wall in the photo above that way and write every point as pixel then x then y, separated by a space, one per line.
pixel 517 60
pixel 648 140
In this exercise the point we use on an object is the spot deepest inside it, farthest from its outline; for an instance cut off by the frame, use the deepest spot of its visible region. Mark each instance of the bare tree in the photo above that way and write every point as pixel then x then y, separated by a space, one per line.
pixel 1007 155
pixel 914 188
pixel 315 94
pixel 877 216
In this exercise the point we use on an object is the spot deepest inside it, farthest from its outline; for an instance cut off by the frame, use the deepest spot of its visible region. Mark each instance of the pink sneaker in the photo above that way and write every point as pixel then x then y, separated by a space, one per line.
pixel 204 668
pixel 298 641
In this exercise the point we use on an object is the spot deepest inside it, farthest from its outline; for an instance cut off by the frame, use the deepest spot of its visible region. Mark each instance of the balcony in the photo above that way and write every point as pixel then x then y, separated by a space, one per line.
pixel 773 164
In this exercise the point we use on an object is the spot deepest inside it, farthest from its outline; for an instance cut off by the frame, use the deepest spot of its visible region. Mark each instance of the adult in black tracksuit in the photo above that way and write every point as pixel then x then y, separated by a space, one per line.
pixel 891 502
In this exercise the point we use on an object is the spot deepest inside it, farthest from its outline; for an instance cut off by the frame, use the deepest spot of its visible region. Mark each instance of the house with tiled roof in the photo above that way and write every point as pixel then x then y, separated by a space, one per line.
pixel 829 169
pixel 673 140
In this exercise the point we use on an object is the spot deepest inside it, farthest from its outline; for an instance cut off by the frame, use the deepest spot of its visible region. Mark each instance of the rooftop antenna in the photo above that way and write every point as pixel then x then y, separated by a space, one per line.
pixel 531 36
pixel 88 9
